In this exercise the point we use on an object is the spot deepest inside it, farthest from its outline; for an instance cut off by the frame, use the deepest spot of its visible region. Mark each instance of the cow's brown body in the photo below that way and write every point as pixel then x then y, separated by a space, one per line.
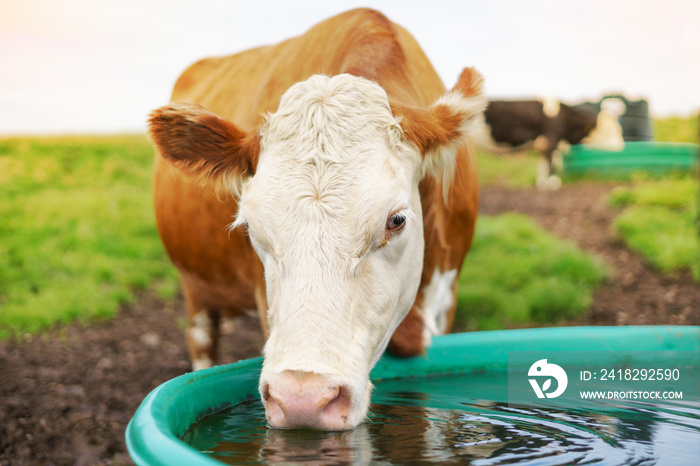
pixel 221 273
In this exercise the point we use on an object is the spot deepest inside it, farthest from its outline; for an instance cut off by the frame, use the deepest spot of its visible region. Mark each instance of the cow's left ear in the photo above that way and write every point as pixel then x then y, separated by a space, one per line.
pixel 440 129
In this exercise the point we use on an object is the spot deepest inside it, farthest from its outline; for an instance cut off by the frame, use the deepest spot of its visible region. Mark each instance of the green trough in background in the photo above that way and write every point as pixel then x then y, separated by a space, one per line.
pixel 655 157
pixel 153 435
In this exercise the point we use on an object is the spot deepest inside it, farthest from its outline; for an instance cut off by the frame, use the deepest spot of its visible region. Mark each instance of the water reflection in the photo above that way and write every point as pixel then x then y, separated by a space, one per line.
pixel 443 427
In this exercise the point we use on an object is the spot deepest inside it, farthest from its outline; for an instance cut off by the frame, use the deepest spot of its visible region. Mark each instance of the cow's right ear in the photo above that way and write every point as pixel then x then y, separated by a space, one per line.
pixel 203 144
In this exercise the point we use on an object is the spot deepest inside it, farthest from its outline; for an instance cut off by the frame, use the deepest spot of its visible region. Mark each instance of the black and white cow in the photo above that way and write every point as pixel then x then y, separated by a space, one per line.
pixel 542 125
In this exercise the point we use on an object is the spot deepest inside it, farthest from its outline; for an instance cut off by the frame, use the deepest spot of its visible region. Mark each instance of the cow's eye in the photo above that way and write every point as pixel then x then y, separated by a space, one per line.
pixel 396 222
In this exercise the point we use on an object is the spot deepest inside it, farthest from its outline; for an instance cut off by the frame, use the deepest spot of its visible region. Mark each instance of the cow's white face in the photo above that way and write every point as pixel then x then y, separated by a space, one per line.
pixel 334 214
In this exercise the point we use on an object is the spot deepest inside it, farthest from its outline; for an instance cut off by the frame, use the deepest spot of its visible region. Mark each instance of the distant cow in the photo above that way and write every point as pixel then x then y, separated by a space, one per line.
pixel 354 196
pixel 542 125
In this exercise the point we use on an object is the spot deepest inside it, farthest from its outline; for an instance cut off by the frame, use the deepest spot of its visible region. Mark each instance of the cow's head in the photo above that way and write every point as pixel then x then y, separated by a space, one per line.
pixel 328 191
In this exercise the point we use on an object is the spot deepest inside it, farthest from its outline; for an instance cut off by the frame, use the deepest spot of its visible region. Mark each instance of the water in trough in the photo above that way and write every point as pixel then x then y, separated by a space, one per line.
pixel 453 419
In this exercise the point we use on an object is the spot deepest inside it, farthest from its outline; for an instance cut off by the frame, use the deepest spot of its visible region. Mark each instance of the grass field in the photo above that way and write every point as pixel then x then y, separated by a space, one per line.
pixel 659 220
pixel 78 238
pixel 513 171
pixel 677 129
pixel 517 273
pixel 77 231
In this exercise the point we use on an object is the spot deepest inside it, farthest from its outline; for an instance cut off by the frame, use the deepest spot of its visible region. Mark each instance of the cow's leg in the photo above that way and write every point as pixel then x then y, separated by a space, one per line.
pixel 546 174
pixel 202 331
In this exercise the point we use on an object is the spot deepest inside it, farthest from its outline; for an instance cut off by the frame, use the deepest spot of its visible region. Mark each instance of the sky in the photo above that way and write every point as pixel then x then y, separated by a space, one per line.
pixel 100 66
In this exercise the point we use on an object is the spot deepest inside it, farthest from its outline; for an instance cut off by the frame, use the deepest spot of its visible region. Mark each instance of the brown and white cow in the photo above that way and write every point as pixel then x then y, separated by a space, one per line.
pixel 342 160
pixel 511 125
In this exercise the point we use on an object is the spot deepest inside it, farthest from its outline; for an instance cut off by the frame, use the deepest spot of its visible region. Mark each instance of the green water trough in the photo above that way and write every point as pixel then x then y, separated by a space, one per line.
pixel 654 157
pixel 153 435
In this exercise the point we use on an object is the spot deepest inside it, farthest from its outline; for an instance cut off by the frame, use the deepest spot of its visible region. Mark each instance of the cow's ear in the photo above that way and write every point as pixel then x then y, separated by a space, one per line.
pixel 203 144
pixel 439 130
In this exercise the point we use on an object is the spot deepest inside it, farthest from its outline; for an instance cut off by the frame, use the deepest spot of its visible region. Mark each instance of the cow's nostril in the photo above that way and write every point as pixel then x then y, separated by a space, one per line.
pixel 273 410
pixel 331 394
pixel 266 392
pixel 339 406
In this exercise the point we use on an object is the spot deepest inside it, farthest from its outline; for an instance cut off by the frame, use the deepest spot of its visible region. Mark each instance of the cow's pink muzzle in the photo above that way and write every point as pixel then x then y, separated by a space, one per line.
pixel 297 399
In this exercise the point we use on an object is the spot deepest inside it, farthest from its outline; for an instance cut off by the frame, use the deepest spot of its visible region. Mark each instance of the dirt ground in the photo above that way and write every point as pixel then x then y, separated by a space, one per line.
pixel 66 396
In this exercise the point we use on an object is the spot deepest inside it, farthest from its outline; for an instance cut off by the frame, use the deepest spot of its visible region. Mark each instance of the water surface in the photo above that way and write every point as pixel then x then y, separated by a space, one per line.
pixel 455 420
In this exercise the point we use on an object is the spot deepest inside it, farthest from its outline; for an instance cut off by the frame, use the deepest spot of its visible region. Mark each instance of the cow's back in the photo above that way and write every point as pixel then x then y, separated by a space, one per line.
pixel 242 88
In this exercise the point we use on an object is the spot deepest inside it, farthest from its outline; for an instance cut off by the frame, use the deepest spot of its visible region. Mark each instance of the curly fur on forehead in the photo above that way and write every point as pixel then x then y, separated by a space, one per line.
pixel 331 155
pixel 322 117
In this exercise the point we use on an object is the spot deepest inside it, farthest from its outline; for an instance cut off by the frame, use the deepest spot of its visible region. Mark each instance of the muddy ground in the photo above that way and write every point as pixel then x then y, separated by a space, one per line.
pixel 66 396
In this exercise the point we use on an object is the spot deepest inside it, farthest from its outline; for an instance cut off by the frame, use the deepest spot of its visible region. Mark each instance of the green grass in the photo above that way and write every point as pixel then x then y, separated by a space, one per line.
pixel 676 194
pixel 659 221
pixel 518 274
pixel 77 231
pixel 511 170
pixel 78 240
pixel 676 129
